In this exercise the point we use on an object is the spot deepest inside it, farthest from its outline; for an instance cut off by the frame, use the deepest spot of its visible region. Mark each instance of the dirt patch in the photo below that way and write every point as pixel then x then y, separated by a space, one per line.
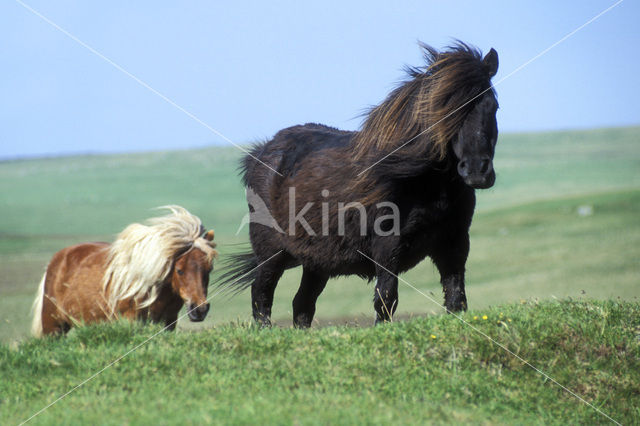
pixel 361 321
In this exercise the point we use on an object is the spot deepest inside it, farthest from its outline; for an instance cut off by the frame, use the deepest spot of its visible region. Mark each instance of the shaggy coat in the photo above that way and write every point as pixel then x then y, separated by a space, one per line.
pixel 148 272
pixel 418 158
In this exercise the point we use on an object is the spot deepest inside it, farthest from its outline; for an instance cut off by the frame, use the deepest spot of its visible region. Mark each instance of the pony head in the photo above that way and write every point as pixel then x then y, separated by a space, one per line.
pixel 190 276
pixel 444 115
pixel 474 144
pixel 168 250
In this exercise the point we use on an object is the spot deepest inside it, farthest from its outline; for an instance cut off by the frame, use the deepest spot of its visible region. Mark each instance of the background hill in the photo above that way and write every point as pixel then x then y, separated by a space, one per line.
pixel 561 221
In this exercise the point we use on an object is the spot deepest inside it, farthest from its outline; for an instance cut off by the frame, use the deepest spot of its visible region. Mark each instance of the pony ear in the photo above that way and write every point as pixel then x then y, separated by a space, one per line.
pixel 209 235
pixel 491 62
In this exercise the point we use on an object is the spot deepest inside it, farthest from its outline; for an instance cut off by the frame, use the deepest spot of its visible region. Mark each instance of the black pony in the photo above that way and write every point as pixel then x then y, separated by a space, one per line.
pixel 375 202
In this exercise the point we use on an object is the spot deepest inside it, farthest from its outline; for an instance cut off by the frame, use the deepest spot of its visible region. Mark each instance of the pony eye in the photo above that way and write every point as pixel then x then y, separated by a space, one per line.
pixel 180 271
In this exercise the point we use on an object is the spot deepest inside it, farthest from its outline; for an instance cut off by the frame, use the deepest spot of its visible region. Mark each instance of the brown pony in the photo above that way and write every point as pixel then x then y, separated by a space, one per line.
pixel 148 273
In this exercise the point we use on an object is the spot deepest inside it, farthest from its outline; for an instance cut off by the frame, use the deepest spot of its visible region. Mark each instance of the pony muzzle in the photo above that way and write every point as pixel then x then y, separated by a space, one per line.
pixel 477 173
pixel 196 312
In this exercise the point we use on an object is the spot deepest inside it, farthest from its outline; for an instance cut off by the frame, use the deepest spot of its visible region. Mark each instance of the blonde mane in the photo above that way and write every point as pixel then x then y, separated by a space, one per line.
pixel 141 257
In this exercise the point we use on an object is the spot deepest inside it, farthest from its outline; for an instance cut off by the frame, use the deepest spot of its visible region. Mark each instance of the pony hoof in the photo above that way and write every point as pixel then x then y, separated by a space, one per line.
pixel 302 320
pixel 382 321
pixel 457 307
pixel 263 323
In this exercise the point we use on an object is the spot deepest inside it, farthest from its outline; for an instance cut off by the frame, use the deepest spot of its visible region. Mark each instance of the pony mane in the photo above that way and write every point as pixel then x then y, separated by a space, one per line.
pixel 142 256
pixel 430 104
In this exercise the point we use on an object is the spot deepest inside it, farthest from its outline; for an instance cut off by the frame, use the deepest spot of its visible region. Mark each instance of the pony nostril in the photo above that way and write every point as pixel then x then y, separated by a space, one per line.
pixel 485 166
pixel 462 168
pixel 197 312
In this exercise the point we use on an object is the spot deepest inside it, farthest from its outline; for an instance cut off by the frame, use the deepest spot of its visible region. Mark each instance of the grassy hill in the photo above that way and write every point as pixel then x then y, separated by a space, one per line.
pixel 562 220
pixel 427 370
pixel 559 229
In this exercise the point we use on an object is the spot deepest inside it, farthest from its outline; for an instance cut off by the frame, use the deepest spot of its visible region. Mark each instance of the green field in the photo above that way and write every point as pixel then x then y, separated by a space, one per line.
pixel 528 240
pixel 562 222
pixel 430 370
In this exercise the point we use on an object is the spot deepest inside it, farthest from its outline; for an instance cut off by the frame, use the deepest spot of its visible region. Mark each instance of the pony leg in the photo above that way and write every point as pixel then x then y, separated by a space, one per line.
pixel 455 298
pixel 53 320
pixel 46 315
pixel 304 304
pixel 262 292
pixel 171 322
pixel 451 265
pixel 48 318
pixel 385 299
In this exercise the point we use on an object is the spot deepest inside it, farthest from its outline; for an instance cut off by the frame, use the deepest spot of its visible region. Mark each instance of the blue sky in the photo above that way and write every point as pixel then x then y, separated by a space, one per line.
pixel 248 69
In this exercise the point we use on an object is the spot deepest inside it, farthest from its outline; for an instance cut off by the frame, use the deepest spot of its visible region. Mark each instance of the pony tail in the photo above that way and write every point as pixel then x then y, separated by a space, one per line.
pixel 36 309
pixel 239 272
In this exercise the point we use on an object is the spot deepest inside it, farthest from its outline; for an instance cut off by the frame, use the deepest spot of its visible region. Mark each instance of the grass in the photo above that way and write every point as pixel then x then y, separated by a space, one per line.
pixel 427 370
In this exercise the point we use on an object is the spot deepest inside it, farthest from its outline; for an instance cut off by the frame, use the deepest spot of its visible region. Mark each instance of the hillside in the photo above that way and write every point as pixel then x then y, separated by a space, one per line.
pixel 427 370
pixel 561 221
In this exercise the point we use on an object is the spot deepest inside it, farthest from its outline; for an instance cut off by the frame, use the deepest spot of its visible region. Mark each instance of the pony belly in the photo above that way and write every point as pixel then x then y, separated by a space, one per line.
pixel 86 307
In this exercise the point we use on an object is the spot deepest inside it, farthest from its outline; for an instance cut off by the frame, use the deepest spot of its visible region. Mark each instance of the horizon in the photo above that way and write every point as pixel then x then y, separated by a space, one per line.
pixel 53 156
pixel 181 77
